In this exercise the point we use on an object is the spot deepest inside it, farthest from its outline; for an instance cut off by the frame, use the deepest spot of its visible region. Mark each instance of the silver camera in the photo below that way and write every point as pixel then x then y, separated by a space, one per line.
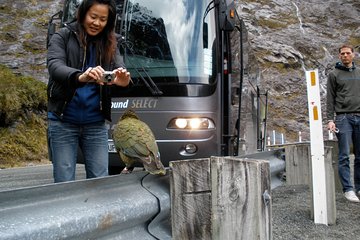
pixel 108 76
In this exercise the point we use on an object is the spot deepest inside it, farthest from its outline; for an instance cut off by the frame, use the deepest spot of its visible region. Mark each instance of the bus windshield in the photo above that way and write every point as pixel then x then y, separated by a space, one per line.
pixel 169 42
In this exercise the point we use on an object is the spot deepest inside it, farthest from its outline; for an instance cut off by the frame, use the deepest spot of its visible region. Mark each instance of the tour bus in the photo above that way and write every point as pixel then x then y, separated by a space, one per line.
pixel 180 60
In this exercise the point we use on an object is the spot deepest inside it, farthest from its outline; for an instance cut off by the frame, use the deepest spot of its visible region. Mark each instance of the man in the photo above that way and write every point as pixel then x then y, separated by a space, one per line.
pixel 343 101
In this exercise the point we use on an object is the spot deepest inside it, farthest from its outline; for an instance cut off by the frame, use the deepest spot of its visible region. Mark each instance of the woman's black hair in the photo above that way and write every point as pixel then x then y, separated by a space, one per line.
pixel 106 41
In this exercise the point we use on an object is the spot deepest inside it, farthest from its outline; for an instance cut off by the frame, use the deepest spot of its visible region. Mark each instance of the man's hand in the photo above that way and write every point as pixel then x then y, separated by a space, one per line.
pixel 332 126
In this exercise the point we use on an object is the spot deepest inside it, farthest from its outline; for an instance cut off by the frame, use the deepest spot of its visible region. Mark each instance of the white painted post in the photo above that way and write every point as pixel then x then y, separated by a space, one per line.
pixel 317 148
pixel 282 138
pixel 300 139
pixel 274 137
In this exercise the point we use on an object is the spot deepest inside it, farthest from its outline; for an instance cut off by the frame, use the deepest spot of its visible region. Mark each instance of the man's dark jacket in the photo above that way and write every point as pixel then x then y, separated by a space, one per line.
pixel 343 91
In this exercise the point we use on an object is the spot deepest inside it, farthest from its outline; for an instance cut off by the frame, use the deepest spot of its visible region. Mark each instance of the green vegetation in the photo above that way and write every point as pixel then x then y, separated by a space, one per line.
pixel 26 13
pixel 282 67
pixel 8 27
pixel 271 23
pixel 261 2
pixel 355 41
pixel 279 21
pixel 22 120
pixel 29 46
pixel 5 9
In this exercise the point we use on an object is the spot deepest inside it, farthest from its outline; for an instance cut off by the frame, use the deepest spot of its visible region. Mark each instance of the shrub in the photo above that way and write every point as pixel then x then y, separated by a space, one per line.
pixel 22 120
pixel 19 95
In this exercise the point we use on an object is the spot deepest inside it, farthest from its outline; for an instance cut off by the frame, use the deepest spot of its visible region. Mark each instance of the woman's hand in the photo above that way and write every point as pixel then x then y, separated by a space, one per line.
pixel 122 77
pixel 92 75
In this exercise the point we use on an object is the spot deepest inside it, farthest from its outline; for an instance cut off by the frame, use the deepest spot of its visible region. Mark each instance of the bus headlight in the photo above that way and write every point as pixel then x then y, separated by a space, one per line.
pixel 191 123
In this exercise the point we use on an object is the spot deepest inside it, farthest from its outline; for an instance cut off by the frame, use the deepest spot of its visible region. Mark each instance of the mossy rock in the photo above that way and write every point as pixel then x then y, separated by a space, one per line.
pixel 22 120
pixel 25 143
pixel 19 94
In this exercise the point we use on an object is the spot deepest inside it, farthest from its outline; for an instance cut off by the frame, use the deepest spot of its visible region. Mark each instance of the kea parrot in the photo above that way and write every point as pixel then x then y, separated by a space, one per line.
pixel 135 142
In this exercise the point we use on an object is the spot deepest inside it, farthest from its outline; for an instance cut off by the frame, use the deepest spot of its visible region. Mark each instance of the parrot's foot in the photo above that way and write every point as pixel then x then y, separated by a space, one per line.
pixel 127 170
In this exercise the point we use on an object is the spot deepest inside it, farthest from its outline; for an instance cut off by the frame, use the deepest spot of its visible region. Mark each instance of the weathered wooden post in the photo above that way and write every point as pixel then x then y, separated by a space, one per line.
pixel 297 157
pixel 190 193
pixel 335 155
pixel 299 171
pixel 220 198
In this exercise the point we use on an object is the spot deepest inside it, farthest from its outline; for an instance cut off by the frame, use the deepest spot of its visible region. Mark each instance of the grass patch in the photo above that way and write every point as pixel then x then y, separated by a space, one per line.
pixel 23 103
pixel 355 41
pixel 271 23
pixel 19 95
pixel 24 143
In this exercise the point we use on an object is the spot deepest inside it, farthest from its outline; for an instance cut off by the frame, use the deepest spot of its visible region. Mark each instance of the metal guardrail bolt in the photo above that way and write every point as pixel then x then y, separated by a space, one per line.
pixel 266 197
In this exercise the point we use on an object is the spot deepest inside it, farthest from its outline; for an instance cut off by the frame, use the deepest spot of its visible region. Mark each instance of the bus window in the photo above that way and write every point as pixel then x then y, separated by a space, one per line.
pixel 169 43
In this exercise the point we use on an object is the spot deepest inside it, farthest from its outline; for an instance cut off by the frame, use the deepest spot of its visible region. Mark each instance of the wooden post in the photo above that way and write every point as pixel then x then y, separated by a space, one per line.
pixel 335 161
pixel 297 164
pixel 220 198
pixel 241 207
pixel 297 157
pixel 190 199
pixel 299 171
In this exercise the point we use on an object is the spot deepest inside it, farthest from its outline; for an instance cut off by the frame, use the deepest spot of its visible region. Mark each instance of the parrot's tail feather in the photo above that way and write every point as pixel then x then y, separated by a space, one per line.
pixel 161 172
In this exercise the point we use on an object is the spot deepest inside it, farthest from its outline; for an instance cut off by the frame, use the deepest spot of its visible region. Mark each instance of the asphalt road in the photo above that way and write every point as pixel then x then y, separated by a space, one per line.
pixel 13 178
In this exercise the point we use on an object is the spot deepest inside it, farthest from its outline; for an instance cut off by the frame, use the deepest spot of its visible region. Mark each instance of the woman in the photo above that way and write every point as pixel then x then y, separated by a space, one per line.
pixel 79 101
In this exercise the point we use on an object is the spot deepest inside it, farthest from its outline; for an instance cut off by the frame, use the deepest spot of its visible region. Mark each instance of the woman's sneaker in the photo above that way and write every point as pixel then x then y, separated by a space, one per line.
pixel 351 196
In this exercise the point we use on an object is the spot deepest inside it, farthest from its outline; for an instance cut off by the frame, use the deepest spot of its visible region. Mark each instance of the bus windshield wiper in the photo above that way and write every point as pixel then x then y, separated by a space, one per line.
pixel 149 82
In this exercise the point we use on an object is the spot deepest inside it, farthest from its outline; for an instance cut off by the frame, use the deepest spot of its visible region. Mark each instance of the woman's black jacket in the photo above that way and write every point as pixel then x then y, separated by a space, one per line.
pixel 65 61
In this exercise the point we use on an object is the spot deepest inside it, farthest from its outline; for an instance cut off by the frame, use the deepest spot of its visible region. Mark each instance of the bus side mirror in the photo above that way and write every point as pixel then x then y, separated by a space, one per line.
pixel 205 35
pixel 227 15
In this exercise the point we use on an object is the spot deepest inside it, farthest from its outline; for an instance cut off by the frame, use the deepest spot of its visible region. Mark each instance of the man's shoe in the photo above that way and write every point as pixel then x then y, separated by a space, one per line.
pixel 351 196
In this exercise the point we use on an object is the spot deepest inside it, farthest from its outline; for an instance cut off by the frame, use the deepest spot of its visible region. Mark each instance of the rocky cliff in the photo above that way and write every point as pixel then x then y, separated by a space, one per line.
pixel 285 37
pixel 23 35
pixel 290 37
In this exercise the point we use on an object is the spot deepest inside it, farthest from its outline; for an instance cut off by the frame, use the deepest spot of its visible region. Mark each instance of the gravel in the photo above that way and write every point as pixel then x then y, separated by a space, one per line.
pixel 291 209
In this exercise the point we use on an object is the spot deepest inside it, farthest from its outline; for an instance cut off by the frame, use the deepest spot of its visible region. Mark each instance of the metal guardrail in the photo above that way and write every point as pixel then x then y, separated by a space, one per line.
pixel 115 207
pixel 132 206
pixel 276 158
